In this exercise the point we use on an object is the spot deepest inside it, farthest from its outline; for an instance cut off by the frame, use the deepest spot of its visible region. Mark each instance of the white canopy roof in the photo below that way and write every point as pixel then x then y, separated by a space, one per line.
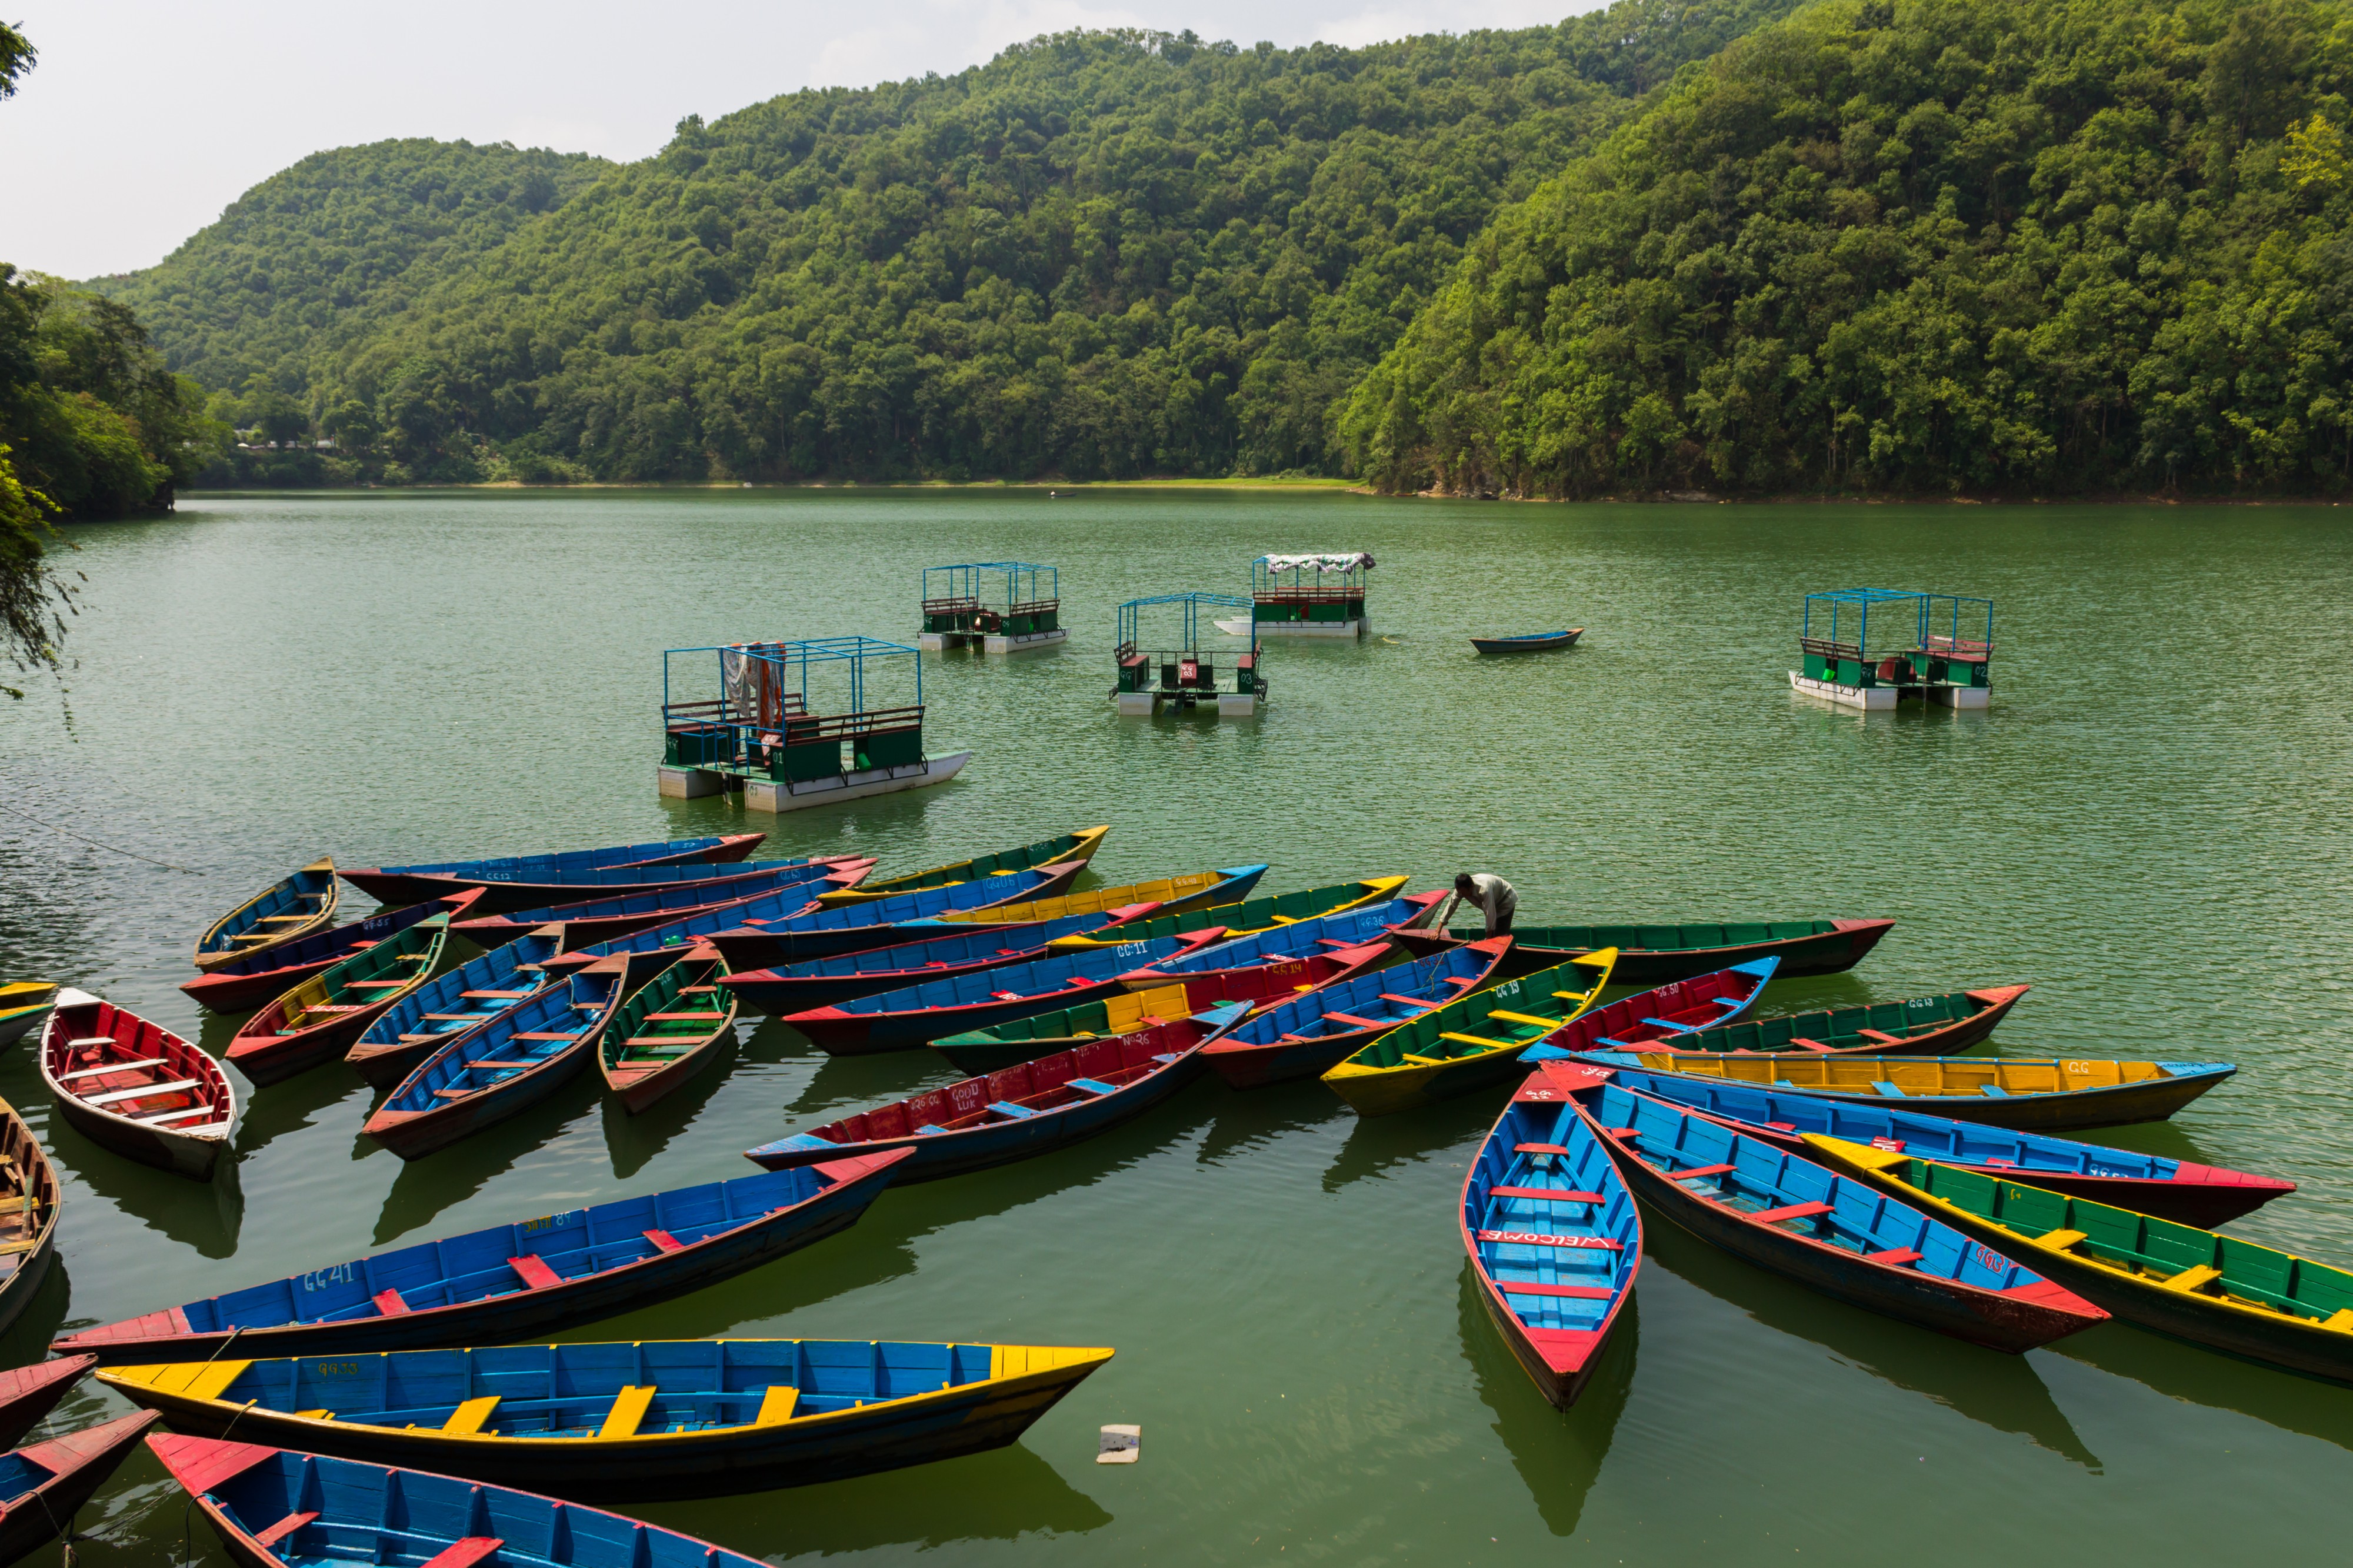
pixel 1354 561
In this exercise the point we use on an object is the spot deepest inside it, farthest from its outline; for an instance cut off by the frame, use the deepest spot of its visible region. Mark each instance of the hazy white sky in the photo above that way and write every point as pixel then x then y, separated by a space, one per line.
pixel 145 118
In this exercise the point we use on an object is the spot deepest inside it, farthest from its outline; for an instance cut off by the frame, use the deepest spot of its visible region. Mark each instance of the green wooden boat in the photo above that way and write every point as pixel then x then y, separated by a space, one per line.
pixel 1080 845
pixel 1920 1026
pixel 1657 954
pixel 979 1052
pixel 669 1029
pixel 2245 1299
pixel 1472 1043
pixel 1253 916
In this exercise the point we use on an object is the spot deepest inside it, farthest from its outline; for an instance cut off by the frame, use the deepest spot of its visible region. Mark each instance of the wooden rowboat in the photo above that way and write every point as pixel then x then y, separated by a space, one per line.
pixel 1437 1057
pixel 1794 1218
pixel 1655 955
pixel 28 1394
pixel 752 938
pixel 24 1006
pixel 1675 1011
pixel 2044 1095
pixel 246 984
pixel 279 913
pixel 510 1280
pixel 1288 942
pixel 487 1074
pixel 1175 894
pixel 2220 1292
pixel 1529 642
pixel 1554 1237
pixel 1921 1027
pixel 796 988
pixel 323 1016
pixel 538 879
pixel 1314 1031
pixel 669 1029
pixel 1080 847
pixel 650 1420
pixel 30 1202
pixel 136 1089
pixel 911 1018
pixel 601 918
pixel 43 1485
pixel 1018 1111
pixel 2177 1190
pixel 450 1006
pixel 1253 916
pixel 275 1508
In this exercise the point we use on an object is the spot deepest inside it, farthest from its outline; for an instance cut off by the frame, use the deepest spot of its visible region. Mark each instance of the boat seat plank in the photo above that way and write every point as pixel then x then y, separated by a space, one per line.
pixel 1511 1017
pixel 1670 1024
pixel 389 1304
pixel 1881 1038
pixel 684 1017
pixel 1887 1089
pixel 1539 1149
pixel 1790 1211
pixel 776 1405
pixel 464 1553
pixel 1994 1089
pixel 1538 1288
pixel 283 1528
pixel 497 995
pixel 629 1408
pixel 1701 1171
pixel 142 1093
pixel 1895 1254
pixel 1092 1086
pixel 1545 1194
pixel 472 1416
pixel 458 1017
pixel 677 1043
pixel 496 1065
pixel 87 1040
pixel 545 1035
pixel 2341 1319
pixel 2060 1240
pixel 374 984
pixel 1354 1021
pixel 180 1115
pixel 1481 1041
pixel 1800 1041
pixel 1623 1133
pixel 1422 1003
pixel 664 1241
pixel 535 1272
pixel 1007 1108
pixel 111 1067
pixel 2192 1279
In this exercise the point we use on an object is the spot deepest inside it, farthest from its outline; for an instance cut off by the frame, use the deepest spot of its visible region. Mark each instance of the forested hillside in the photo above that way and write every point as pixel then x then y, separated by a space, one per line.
pixel 1100 254
pixel 1992 244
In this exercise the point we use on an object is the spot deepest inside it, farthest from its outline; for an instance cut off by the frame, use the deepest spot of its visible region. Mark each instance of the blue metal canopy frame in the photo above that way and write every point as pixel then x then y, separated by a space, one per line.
pixel 1956 622
pixel 791 662
pixel 965 583
pixel 1131 618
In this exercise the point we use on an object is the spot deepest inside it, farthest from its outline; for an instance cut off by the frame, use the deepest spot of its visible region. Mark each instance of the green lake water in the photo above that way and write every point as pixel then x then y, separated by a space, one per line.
pixel 2151 824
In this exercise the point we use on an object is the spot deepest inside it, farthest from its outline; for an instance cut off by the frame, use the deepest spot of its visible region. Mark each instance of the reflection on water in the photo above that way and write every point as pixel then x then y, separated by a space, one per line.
pixel 1378 1145
pixel 1248 1119
pixel 1558 1453
pixel 331 1093
pixel 1991 1387
pixel 634 1140
pixel 204 1215
pixel 2196 1375
pixel 428 1188
pixel 28 1339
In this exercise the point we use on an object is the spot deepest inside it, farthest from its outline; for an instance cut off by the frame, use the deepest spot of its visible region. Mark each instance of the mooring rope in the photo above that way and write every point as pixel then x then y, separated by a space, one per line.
pixel 101 844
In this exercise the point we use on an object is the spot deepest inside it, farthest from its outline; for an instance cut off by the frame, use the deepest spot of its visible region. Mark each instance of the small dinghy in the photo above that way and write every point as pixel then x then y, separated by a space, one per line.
pixel 1655 955
pixel 596 918
pixel 1470 1044
pixel 1253 916
pixel 320 1018
pixel 30 1200
pixel 136 1089
pixel 28 1394
pixel 825 981
pixel 1529 642
pixel 1309 1036
pixel 1080 845
pixel 42 1486
pixel 520 881
pixel 1797 1219
pixel 249 982
pixel 669 1029
pixel 1941 1026
pixel 652 1420
pixel 283 912
pixel 1020 1112
pixel 25 1006
pixel 1175 894
pixel 1554 1237
pixel 447 1005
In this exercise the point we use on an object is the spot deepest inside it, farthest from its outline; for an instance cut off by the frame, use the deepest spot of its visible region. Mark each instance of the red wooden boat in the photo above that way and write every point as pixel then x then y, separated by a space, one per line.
pixel 597 918
pixel 1655 955
pixel 1319 1030
pixel 29 1203
pixel 253 979
pixel 320 1019
pixel 511 883
pixel 41 1487
pixel 138 1090
pixel 28 1394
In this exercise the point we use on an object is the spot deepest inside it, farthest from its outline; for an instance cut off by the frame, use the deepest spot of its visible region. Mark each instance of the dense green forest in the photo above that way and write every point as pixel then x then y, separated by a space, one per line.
pixel 1990 245
pixel 1100 254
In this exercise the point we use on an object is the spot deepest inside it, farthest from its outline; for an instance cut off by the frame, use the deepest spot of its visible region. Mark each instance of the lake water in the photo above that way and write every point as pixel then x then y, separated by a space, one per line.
pixel 2151 825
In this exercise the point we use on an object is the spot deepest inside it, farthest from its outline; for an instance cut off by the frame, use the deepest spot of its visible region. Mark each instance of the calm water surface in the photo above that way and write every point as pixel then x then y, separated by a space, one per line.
pixel 2151 825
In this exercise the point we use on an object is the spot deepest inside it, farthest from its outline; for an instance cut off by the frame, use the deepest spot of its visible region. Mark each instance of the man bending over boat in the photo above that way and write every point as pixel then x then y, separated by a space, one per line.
pixel 1491 896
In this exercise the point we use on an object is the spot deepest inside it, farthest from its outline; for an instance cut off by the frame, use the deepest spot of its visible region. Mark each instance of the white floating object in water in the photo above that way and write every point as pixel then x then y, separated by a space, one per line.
pixel 1120 1445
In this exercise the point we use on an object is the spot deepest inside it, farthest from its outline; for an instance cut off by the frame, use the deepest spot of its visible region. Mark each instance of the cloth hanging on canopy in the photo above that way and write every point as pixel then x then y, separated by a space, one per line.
pixel 753 682
pixel 1354 561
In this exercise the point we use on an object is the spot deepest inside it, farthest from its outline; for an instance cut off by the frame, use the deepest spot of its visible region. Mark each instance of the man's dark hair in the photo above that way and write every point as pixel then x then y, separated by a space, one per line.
pixel 1462 882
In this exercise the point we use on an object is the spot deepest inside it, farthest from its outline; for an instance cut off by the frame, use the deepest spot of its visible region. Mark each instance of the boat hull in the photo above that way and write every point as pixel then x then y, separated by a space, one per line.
pixel 412 1134
pixel 18 1022
pixel 1551 643
pixel 1822 952
pixel 869 1034
pixel 747 949
pixel 83 1462
pixel 30 1393
pixel 314 884
pixel 2117 1106
pixel 193 1155
pixel 37 1179
pixel 393 887
pixel 1248 1064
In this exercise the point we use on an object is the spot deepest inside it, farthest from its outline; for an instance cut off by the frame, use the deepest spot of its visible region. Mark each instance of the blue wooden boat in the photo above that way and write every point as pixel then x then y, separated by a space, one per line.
pixel 771 932
pixel 248 983
pixel 486 1075
pixel 1799 1219
pixel 1308 1036
pixel 448 1005
pixel 1554 1237
pixel 41 1487
pixel 1529 642
pixel 650 902
pixel 1020 1110
pixel 796 988
pixel 284 912
pixel 273 1507
pixel 2178 1190
pixel 655 1419
pixel 1058 850
pixel 508 1281
pixel 520 881
pixel 914 1017
pixel 1287 943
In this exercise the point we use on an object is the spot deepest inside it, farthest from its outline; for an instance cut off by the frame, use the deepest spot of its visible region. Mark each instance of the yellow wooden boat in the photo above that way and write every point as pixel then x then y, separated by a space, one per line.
pixel 1197 889
pixel 1080 845
pixel 629 1421
pixel 23 1005
pixel 2045 1094
pixel 1472 1042
pixel 1252 917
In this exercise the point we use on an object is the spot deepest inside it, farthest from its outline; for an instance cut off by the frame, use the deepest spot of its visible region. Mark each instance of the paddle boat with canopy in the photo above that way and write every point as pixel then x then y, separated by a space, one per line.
pixel 1873 648
pixel 1183 678
pixel 994 606
pixel 1306 596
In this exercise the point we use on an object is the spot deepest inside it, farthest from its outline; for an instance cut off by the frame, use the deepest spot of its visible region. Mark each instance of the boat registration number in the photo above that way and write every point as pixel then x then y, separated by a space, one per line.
pixel 321 1279
pixel 550 1221
pixel 1536 1239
